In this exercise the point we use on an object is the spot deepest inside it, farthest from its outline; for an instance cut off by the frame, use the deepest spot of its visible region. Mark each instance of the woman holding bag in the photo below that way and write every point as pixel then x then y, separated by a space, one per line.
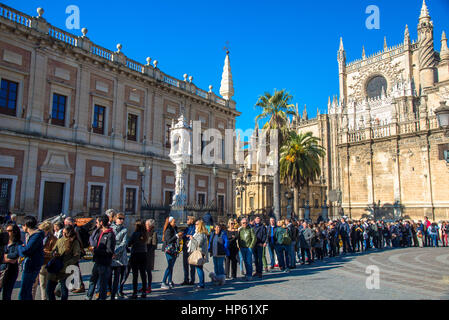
pixel 68 248
pixel 198 242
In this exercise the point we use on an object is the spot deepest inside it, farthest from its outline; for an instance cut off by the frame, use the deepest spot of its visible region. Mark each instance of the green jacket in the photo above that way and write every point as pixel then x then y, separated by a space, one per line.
pixel 247 238
pixel 70 257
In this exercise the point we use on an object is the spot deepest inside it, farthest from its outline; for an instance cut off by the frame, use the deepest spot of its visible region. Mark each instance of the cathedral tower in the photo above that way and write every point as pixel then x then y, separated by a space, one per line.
pixel 426 49
pixel 342 70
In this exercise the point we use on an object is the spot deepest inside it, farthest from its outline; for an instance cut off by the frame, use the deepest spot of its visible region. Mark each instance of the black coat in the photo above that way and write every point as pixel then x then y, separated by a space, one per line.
pixel 104 248
pixel 170 236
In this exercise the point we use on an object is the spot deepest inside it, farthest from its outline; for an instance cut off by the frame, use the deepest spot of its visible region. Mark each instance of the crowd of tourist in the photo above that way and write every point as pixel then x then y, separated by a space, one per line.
pixel 44 251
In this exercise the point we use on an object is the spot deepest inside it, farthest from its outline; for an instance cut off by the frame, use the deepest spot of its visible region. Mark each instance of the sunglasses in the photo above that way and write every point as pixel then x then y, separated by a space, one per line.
pixel 121 218
pixel 9 230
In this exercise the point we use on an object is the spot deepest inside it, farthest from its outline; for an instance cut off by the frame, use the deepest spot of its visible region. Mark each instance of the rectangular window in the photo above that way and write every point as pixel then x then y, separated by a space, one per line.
pixel 99 118
pixel 130 201
pixel 8 97
pixel 168 198
pixel 239 202
pixel 220 206
pixel 201 199
pixel 132 126
pixel 96 199
pixel 58 110
pixel 251 202
pixel 5 195
pixel 167 135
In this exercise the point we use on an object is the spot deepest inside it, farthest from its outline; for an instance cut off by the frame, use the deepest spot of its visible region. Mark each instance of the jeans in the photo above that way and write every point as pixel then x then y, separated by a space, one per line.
pixel 292 255
pixel 219 265
pixel 186 266
pixel 258 255
pixel 100 274
pixel 434 238
pixel 231 265
pixel 169 271
pixel 200 271
pixel 271 251
pixel 305 252
pixel 50 290
pixel 248 260
pixel 9 280
pixel 138 263
pixel 118 274
pixel 241 262
pixel 282 252
pixel 26 288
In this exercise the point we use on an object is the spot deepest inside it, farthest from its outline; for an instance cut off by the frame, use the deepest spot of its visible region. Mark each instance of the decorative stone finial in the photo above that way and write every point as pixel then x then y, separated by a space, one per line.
pixel 363 53
pixel 155 62
pixel 185 77
pixel 40 12
pixel 119 47
pixel 190 79
pixel 227 85
pixel 424 11
pixel 444 52
pixel 148 61
pixel 210 88
pixel 385 44
pixel 84 32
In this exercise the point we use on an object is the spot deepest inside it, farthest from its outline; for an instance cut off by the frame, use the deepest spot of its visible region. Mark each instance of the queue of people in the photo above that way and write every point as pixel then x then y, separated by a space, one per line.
pixel 49 249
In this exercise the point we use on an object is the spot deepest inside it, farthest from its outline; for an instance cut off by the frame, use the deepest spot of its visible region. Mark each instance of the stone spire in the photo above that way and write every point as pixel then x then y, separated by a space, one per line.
pixel 424 11
pixel 341 57
pixel 363 53
pixel 227 86
pixel 444 52
pixel 385 44
pixel 304 113
pixel 406 35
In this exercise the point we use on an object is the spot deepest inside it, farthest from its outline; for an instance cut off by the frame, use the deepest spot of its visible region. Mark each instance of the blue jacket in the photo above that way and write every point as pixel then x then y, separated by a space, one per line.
pixel 207 218
pixel 271 235
pixel 344 229
pixel 218 244
pixel 190 230
pixel 33 252
pixel 261 233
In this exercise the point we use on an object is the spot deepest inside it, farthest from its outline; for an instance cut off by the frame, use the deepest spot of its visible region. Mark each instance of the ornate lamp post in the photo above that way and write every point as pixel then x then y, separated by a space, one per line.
pixel 442 114
pixel 142 169
pixel 241 181
pixel 289 196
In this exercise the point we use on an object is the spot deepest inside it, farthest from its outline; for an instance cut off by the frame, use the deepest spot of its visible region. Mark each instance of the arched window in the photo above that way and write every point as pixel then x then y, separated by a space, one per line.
pixel 375 86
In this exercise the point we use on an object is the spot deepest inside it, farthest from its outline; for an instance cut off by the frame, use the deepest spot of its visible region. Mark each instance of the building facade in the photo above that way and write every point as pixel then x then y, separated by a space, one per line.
pixel 83 128
pixel 384 146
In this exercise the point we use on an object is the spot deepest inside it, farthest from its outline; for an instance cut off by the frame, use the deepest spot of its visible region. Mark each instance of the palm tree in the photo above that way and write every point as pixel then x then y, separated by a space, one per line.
pixel 300 161
pixel 276 108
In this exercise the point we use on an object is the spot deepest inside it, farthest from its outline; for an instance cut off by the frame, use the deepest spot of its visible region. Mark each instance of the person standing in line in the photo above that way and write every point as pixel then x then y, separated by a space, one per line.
pixel 120 257
pixel 199 242
pixel 444 233
pixel 293 233
pixel 151 248
pixel 426 237
pixel 232 259
pixel 33 252
pixel 261 238
pixel 433 234
pixel 189 270
pixel 344 231
pixel 305 239
pixel 170 246
pixel 69 249
pixel 69 221
pixel 318 243
pixel 246 242
pixel 49 244
pixel 10 263
pixel 138 259
pixel 283 242
pixel 219 249
pixel 103 250
pixel 271 242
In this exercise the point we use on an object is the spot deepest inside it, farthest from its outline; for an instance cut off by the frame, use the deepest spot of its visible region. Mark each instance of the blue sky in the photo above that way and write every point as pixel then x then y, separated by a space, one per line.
pixel 274 44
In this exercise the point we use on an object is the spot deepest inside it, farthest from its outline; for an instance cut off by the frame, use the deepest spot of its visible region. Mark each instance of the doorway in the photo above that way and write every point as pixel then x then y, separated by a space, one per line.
pixel 53 199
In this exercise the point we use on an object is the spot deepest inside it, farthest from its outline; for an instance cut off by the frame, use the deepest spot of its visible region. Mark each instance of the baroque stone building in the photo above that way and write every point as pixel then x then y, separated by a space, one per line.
pixel 385 149
pixel 83 128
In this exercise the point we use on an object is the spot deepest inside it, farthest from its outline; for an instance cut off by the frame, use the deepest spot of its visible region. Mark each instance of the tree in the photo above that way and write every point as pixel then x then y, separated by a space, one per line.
pixel 276 108
pixel 300 161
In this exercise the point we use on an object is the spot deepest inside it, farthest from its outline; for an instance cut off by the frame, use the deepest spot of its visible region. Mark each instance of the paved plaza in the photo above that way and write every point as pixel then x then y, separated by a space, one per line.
pixel 409 273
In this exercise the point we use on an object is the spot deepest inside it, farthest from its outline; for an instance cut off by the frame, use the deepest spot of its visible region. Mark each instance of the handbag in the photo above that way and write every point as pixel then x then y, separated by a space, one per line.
pixel 55 265
pixel 196 258
pixel 171 249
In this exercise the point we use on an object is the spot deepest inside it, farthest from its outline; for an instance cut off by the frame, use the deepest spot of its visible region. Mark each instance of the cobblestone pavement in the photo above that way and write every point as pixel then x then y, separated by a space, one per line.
pixel 410 273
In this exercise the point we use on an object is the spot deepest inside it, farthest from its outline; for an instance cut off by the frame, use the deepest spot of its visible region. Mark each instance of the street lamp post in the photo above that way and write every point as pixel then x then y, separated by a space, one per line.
pixel 442 114
pixel 142 169
pixel 241 181
pixel 289 196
